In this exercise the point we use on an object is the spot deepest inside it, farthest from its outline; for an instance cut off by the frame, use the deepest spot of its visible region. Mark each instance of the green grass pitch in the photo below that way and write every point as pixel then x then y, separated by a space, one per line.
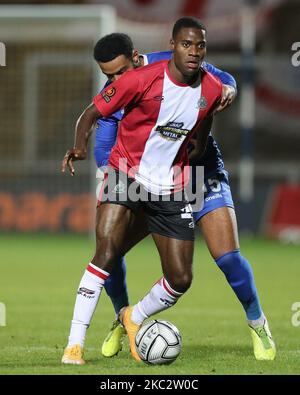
pixel 40 274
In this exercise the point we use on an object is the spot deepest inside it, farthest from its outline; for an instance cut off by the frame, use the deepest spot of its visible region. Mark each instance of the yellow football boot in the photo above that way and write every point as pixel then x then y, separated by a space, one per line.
pixel 114 340
pixel 263 344
pixel 73 355
pixel 131 329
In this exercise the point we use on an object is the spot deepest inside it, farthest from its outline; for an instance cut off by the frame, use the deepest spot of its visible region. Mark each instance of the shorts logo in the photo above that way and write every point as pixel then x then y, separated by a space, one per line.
pixel 108 94
pixel 202 103
pixel 186 212
pixel 191 225
pixel 172 131
pixel 213 197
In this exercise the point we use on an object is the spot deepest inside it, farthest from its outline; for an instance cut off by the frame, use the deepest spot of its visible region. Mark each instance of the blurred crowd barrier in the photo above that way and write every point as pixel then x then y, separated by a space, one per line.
pixel 50 77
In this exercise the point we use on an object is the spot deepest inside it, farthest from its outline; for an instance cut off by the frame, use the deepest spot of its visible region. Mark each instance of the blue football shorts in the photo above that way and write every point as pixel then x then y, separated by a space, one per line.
pixel 217 194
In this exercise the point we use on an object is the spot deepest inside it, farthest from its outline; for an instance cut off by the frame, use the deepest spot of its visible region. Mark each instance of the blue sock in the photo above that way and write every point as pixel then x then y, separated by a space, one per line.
pixel 115 286
pixel 239 275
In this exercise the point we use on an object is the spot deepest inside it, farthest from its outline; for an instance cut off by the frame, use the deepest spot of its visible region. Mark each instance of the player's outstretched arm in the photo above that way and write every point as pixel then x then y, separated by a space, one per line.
pixel 200 139
pixel 83 130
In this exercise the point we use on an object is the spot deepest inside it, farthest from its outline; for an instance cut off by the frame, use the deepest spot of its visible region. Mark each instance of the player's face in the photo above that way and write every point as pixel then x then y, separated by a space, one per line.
pixel 189 48
pixel 118 66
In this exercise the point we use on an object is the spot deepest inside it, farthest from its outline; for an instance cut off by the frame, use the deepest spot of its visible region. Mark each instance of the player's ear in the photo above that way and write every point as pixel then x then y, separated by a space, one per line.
pixel 135 57
pixel 172 44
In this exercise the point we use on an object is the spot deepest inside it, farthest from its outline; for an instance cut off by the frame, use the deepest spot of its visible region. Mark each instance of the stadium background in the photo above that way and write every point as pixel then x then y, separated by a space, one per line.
pixel 50 77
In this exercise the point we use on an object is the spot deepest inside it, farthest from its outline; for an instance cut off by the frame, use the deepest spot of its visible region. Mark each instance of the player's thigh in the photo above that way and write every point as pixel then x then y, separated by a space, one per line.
pixel 219 229
pixel 115 209
pixel 171 224
pixel 137 231
pixel 176 255
pixel 112 223
pixel 176 260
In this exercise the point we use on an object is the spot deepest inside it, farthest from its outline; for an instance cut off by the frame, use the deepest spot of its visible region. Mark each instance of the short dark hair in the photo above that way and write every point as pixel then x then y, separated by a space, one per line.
pixel 113 45
pixel 187 22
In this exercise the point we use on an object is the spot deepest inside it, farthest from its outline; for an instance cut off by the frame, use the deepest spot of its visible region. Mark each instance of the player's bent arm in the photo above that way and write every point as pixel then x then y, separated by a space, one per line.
pixel 119 94
pixel 200 140
pixel 84 127
pixel 83 130
pixel 229 93
pixel 225 77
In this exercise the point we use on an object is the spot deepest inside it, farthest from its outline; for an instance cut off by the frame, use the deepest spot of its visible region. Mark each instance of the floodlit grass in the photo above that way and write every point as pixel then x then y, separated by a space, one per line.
pixel 40 274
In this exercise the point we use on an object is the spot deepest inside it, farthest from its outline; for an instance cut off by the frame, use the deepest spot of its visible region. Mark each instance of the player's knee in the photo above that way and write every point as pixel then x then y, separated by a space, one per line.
pixel 106 254
pixel 234 263
pixel 181 282
pixel 229 260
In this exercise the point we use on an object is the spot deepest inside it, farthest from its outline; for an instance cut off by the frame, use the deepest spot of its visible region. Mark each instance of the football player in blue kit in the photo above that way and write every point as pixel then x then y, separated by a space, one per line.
pixel 115 55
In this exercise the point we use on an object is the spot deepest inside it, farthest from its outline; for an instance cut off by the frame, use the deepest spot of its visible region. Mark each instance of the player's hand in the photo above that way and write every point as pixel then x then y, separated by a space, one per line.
pixel 228 95
pixel 71 156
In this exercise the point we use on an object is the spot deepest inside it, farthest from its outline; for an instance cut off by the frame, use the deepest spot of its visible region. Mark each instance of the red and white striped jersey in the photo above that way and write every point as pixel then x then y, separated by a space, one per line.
pixel 161 115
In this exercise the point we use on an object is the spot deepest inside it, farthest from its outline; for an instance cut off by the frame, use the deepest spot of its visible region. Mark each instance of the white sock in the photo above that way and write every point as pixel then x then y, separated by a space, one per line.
pixel 88 294
pixel 160 297
pixel 259 322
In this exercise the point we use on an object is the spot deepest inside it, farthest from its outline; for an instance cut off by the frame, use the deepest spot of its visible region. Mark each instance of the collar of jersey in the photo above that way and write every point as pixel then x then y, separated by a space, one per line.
pixel 172 78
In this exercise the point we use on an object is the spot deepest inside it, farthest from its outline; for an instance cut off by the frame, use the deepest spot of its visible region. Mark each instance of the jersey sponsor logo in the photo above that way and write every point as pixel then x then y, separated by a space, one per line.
pixel 202 103
pixel 172 131
pixel 108 94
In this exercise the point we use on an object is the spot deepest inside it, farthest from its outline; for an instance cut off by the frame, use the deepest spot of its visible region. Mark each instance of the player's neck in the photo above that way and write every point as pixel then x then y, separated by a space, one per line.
pixel 181 78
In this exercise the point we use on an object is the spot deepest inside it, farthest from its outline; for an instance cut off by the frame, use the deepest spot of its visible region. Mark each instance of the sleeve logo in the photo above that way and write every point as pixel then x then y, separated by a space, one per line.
pixel 108 94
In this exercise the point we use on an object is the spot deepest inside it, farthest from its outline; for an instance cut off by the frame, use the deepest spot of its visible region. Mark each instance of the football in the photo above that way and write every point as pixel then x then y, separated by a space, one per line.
pixel 158 342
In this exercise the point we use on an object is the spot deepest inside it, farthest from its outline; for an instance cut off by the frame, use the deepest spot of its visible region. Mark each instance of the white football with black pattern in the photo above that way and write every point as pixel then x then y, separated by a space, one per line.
pixel 158 342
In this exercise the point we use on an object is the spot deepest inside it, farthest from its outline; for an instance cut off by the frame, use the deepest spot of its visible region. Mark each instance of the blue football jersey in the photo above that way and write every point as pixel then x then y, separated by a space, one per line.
pixel 106 128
